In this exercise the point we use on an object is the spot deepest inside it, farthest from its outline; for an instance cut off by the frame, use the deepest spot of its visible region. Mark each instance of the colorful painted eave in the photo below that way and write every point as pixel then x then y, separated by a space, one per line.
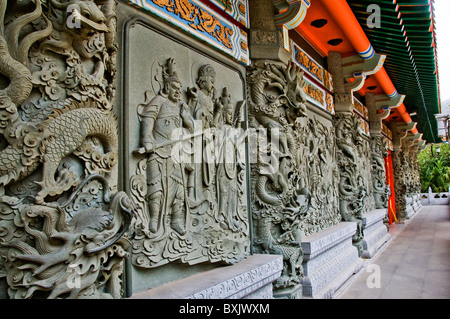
pixel 406 37
pixel 220 24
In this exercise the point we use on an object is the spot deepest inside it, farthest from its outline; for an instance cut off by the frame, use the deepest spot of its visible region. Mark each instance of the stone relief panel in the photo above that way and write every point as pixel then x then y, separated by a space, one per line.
pixel 413 177
pixel 365 168
pixel 353 189
pixel 381 191
pixel 187 167
pixel 317 161
pixel 280 197
pixel 62 221
pixel 400 184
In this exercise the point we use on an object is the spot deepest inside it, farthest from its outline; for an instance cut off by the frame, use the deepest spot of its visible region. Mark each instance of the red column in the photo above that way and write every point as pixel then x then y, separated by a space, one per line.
pixel 390 181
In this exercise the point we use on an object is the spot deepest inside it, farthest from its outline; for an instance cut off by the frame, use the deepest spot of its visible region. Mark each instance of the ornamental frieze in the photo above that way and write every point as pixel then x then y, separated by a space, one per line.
pixel 313 68
pixel 203 23
pixel 238 9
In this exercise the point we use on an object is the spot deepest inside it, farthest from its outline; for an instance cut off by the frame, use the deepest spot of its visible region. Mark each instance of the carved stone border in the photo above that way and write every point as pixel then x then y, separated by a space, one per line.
pixel 232 282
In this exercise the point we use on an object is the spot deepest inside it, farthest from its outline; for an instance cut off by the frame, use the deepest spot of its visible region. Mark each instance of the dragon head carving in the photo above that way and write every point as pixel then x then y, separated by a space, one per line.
pixel 296 97
pixel 81 18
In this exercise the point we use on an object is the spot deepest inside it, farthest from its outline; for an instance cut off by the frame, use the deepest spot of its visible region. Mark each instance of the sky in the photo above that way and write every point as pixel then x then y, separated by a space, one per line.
pixel 442 8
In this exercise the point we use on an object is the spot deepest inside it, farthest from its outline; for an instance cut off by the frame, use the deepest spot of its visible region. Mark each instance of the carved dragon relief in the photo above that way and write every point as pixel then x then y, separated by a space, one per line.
pixel 400 185
pixel 280 198
pixel 415 184
pixel 406 178
pixel 62 221
pixel 381 191
pixel 412 178
pixel 353 189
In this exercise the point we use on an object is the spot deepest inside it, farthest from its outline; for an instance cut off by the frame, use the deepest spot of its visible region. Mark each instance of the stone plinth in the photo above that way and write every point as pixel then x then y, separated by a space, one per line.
pixel 329 260
pixel 375 232
pixel 409 207
pixel 249 279
pixel 414 204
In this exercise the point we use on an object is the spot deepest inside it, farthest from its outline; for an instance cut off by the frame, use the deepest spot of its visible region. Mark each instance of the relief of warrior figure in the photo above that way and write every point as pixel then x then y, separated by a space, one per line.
pixel 166 177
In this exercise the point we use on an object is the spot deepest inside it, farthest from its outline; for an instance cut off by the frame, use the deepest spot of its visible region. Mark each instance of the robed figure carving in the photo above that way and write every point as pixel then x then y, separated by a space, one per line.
pixel 230 161
pixel 206 113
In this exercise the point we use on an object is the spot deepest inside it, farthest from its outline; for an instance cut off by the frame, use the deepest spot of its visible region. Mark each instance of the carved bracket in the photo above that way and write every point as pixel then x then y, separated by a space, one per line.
pixel 356 70
pixel 420 144
pixel 406 127
pixel 292 14
pixel 400 131
pixel 391 102
pixel 414 137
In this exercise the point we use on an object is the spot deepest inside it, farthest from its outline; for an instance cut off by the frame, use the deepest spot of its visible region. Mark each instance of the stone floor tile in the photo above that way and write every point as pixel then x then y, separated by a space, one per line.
pixel 415 264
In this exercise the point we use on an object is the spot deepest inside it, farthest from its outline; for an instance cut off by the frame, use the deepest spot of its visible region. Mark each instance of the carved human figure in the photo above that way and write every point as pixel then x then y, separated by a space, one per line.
pixel 205 110
pixel 166 179
pixel 203 97
pixel 229 163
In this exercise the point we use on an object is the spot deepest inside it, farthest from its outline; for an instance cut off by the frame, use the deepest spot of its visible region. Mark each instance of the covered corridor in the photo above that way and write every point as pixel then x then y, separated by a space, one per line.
pixel 414 264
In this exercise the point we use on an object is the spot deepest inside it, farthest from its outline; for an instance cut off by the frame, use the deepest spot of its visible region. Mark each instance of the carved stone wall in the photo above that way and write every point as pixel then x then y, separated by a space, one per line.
pixel 184 142
pixel 413 176
pixel 62 219
pixel 365 167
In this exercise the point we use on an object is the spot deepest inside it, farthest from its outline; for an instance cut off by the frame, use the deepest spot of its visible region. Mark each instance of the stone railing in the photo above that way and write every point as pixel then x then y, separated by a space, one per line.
pixel 431 198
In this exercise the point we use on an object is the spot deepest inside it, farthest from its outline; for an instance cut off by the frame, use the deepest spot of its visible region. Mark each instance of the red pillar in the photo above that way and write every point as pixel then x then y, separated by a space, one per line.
pixel 390 181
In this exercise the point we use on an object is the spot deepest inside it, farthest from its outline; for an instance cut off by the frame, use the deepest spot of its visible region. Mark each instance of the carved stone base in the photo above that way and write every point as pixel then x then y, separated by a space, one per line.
pixel 417 204
pixel 249 279
pixel 289 293
pixel 329 260
pixel 375 232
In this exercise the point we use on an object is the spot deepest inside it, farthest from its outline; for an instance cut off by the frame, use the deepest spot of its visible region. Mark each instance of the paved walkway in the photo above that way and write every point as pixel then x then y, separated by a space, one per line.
pixel 414 264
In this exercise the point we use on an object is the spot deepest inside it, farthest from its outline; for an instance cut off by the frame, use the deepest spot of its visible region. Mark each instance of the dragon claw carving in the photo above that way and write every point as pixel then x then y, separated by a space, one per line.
pixel 50 187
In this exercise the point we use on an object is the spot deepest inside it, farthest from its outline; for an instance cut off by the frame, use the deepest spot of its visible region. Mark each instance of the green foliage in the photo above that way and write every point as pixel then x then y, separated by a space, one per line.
pixel 434 168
